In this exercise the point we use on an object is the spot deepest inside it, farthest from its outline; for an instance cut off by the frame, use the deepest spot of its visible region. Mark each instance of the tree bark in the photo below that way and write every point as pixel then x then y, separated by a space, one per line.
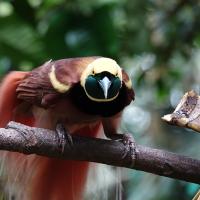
pixel 30 140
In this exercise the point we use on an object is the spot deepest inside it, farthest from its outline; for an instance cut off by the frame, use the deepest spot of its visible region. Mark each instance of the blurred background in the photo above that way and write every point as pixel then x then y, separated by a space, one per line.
pixel 157 42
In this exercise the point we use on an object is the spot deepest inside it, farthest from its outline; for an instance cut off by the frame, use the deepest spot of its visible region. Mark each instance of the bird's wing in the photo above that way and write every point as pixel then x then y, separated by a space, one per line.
pixel 45 84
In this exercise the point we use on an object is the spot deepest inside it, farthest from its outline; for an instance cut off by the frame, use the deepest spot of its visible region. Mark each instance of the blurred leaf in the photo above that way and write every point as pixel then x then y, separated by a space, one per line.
pixel 20 41
pixel 157 41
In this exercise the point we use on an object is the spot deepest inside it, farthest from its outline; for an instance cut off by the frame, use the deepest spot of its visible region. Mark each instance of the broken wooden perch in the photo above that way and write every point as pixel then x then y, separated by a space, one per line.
pixel 187 114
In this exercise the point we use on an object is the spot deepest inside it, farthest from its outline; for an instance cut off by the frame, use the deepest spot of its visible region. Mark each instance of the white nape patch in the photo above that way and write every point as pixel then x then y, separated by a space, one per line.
pixel 97 66
pixel 60 87
pixel 101 65
pixel 106 64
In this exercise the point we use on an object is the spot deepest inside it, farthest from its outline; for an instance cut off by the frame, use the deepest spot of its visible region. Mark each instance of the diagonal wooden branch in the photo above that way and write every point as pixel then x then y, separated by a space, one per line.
pixel 30 140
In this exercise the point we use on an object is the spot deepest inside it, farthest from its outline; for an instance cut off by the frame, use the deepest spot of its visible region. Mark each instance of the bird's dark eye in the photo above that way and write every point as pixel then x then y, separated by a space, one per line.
pixel 93 72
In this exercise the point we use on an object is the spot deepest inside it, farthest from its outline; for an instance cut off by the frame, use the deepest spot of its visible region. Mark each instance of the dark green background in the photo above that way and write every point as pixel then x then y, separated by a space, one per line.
pixel 157 42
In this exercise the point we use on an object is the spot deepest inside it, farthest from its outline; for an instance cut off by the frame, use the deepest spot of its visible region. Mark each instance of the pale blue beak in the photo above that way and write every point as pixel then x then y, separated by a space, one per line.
pixel 105 84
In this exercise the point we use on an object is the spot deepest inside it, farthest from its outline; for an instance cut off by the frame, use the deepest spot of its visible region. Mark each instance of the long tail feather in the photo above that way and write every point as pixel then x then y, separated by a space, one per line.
pixel 34 177
pixel 8 98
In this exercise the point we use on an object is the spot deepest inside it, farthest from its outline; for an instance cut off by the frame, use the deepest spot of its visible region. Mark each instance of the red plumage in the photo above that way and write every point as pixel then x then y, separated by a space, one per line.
pixel 22 94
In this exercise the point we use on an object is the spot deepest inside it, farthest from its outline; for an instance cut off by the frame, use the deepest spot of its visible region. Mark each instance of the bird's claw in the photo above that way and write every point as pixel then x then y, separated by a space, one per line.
pixel 128 139
pixel 129 143
pixel 63 137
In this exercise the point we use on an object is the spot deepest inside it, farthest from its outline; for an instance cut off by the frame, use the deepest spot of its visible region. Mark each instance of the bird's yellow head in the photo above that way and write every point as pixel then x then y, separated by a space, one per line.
pixel 102 80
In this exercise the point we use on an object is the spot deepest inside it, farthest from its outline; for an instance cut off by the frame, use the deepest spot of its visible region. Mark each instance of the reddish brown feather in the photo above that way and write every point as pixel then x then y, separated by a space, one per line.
pixel 9 101
pixel 68 71
pixel 130 91
pixel 36 87
pixel 52 179
pixel 36 177
pixel 125 77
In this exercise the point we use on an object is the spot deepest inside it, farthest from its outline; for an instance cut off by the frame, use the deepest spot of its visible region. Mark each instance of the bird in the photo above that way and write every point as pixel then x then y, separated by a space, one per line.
pixel 83 96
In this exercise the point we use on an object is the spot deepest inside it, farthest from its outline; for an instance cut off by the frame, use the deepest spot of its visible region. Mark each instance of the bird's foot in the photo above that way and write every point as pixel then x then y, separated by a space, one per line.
pixel 130 148
pixel 129 143
pixel 63 137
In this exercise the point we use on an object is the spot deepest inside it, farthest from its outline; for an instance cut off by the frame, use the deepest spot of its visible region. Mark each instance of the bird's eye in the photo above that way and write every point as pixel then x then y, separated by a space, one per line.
pixel 93 72
pixel 116 74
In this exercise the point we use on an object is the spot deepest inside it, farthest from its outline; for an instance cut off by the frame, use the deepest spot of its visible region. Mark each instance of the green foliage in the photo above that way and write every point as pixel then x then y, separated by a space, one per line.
pixel 156 41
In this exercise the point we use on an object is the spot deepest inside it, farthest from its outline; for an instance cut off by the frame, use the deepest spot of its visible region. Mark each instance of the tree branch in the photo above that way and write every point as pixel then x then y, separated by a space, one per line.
pixel 187 112
pixel 30 140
